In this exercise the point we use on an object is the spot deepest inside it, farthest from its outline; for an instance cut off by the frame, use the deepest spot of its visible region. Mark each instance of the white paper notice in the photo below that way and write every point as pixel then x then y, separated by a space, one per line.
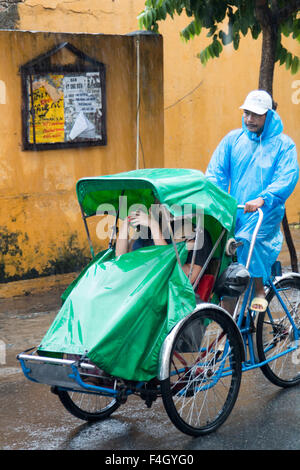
pixel 82 106
pixel 81 125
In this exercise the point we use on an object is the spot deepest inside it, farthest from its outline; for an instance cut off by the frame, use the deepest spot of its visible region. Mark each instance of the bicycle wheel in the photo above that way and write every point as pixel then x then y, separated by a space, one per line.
pixel 205 373
pixel 275 335
pixel 88 406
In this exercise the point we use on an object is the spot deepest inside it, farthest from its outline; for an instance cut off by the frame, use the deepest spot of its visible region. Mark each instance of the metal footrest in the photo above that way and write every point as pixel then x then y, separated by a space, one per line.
pixel 62 373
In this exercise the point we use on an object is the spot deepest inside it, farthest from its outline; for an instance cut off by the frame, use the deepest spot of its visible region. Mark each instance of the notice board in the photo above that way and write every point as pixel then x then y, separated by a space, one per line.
pixel 63 106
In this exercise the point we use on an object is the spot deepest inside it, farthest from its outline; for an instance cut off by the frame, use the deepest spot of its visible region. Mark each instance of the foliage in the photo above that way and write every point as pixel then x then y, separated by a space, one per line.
pixel 227 21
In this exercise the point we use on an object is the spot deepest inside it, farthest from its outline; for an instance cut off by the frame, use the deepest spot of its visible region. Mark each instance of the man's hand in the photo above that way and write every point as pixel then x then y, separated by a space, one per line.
pixel 252 206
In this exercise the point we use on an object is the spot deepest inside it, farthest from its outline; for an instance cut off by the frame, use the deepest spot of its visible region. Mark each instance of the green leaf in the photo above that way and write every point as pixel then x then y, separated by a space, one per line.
pixel 217 47
pixel 288 60
pixel 170 8
pixel 284 30
pixel 163 12
pixel 295 65
pixel 282 55
pixel 198 27
pixel 204 55
pixel 236 26
pixel 212 31
pixel 288 26
pixel 236 41
pixel 211 50
pixel 296 29
pixel 192 29
pixel 201 56
pixel 146 18
pixel 255 30
pixel 244 25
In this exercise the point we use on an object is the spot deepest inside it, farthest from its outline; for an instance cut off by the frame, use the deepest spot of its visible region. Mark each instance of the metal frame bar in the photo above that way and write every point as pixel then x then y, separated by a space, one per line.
pixel 53 360
pixel 32 110
pixel 195 247
pixel 167 219
pixel 255 232
pixel 114 230
pixel 209 258
pixel 84 217
pixel 276 291
pixel 252 243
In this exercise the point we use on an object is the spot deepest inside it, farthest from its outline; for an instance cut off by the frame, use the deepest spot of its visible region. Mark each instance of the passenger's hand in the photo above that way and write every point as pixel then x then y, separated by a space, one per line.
pixel 252 206
pixel 139 218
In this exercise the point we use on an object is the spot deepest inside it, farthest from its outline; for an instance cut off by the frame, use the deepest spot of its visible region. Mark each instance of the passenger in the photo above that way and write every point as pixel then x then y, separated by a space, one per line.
pixel 152 235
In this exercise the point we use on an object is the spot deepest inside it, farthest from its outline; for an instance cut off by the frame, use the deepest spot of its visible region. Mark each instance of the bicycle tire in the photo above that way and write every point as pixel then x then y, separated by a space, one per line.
pixel 274 335
pixel 87 407
pixel 191 393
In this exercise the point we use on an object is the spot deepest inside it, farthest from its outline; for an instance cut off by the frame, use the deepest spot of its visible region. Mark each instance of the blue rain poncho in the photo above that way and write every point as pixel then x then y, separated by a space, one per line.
pixel 251 166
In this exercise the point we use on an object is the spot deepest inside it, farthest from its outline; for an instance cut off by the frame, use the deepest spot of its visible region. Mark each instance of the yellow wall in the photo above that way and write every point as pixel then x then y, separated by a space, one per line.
pixel 40 221
pixel 201 103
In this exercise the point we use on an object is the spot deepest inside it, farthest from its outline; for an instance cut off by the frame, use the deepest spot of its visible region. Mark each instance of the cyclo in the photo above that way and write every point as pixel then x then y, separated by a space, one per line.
pixel 135 325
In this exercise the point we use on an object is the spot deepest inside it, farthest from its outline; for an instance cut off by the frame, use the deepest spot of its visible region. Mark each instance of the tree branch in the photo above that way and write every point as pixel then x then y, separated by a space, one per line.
pixel 263 13
pixel 274 8
pixel 269 26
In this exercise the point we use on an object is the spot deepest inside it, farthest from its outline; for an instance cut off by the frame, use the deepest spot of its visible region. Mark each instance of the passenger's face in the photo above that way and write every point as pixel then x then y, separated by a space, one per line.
pixel 254 122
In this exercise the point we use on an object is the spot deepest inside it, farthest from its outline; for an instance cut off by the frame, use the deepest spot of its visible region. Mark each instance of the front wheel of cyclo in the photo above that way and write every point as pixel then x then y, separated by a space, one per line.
pixel 276 337
pixel 88 406
pixel 204 373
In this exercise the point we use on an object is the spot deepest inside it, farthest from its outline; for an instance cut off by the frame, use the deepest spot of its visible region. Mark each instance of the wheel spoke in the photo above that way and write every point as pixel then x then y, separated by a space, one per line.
pixel 276 335
pixel 200 391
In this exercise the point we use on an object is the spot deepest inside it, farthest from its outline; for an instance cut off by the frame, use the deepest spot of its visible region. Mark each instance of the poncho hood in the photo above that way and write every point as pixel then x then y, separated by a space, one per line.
pixel 273 126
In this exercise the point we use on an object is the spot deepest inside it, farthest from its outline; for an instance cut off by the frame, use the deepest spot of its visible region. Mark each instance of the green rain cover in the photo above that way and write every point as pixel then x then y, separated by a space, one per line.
pixel 121 310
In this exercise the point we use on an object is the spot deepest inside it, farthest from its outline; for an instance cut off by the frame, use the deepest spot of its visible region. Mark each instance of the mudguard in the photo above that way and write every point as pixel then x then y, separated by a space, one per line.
pixel 163 365
pixel 284 276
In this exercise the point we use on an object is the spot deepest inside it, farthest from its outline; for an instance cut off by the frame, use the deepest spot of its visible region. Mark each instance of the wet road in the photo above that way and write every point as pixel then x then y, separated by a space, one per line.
pixel 32 418
pixel 264 417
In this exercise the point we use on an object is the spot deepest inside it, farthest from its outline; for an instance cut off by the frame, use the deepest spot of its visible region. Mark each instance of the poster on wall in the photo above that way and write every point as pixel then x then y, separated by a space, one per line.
pixel 46 121
pixel 63 108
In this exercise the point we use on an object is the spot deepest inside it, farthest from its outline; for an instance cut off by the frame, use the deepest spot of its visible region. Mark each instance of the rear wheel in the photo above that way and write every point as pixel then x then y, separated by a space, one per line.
pixel 88 406
pixel 276 338
pixel 205 373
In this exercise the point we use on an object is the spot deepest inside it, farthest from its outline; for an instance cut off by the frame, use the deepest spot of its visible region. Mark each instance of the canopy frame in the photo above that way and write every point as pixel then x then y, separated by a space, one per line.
pixel 167 185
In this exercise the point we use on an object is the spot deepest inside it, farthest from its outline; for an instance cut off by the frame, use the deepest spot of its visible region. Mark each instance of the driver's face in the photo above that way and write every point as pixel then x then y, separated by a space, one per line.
pixel 254 122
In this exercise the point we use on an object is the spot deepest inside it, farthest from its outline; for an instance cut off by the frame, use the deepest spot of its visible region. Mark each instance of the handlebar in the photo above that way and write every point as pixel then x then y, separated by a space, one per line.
pixel 255 232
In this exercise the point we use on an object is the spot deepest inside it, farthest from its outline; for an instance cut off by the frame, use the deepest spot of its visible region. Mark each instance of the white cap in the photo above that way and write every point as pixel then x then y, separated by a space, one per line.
pixel 258 102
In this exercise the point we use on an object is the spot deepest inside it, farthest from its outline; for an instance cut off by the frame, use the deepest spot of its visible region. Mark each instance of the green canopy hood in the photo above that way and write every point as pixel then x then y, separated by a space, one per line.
pixel 173 187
